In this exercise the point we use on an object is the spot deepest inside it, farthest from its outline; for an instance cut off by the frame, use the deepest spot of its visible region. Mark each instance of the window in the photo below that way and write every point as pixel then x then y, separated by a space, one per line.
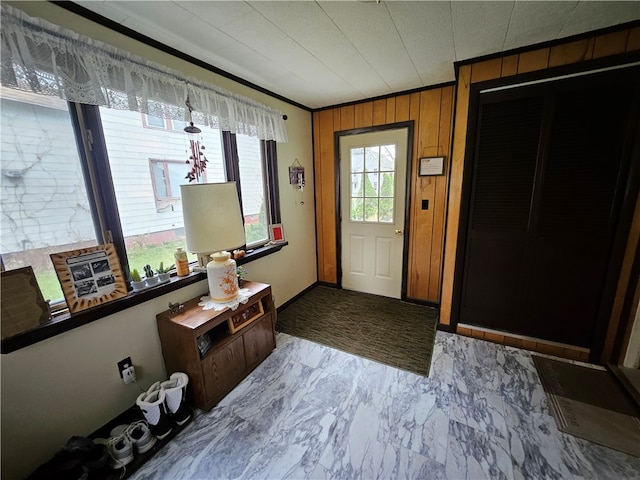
pixel 166 177
pixel 136 173
pixel 254 199
pixel 154 122
pixel 373 184
pixel 45 206
pixel 163 123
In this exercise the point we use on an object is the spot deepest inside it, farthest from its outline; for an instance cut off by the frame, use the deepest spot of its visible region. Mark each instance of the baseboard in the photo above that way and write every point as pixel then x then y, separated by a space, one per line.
pixel 527 343
pixel 293 299
pixel 445 328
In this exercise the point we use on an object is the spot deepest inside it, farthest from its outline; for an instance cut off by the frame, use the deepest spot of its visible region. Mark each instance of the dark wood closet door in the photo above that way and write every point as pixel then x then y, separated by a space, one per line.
pixel 548 174
pixel 503 182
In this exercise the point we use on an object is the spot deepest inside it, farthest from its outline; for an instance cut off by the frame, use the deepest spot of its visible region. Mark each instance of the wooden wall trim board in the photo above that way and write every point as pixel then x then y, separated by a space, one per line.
pixel 455 191
pixel 440 116
pixel 625 281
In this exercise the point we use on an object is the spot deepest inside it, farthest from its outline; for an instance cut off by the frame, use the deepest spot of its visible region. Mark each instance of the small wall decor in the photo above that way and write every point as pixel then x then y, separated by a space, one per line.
pixel 23 306
pixel 431 166
pixel 89 276
pixel 296 175
pixel 276 233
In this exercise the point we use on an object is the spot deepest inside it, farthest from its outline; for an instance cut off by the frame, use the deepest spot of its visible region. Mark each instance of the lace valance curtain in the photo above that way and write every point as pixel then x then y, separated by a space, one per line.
pixel 46 59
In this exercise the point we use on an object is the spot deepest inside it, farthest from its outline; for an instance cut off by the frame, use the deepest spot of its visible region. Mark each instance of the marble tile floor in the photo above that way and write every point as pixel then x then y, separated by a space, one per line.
pixel 312 412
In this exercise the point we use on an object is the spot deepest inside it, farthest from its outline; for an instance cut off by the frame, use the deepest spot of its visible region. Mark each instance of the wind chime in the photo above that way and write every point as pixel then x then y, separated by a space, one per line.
pixel 196 159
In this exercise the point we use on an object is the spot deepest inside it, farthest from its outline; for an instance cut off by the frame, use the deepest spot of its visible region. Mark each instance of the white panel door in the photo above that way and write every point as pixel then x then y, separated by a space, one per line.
pixel 372 196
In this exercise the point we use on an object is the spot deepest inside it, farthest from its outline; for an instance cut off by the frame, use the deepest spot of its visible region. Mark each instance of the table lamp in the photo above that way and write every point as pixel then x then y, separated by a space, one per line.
pixel 213 225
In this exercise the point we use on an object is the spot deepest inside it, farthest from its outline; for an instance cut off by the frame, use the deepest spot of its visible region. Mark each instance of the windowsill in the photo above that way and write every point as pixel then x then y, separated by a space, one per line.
pixel 64 322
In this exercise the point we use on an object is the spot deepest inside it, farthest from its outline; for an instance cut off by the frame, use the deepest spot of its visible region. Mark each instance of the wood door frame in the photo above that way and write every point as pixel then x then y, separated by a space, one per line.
pixel 409 125
pixel 627 200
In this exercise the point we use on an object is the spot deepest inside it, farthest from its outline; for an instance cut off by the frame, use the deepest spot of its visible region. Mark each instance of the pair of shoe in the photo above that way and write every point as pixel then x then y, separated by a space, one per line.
pixel 74 461
pixel 125 439
pixel 163 405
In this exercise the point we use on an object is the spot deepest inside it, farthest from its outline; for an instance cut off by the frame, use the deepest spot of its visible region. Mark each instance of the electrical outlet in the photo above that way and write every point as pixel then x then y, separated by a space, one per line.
pixel 129 375
pixel 123 366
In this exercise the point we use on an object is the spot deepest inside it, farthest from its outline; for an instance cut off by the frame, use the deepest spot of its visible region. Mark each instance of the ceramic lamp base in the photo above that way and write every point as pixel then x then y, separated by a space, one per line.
pixel 222 277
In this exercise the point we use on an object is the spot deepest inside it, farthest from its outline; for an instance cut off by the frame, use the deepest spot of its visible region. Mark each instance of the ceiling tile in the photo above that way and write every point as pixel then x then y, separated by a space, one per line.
pixel 106 9
pixel 479 28
pixel 536 22
pixel 425 30
pixel 308 25
pixel 217 13
pixel 369 27
pixel 595 15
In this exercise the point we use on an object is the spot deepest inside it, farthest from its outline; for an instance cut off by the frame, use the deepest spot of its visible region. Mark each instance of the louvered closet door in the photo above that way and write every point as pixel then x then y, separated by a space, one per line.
pixel 544 202
pixel 503 182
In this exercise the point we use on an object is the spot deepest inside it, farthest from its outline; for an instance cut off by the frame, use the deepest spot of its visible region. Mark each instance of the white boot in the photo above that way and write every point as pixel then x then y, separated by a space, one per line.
pixel 175 391
pixel 155 411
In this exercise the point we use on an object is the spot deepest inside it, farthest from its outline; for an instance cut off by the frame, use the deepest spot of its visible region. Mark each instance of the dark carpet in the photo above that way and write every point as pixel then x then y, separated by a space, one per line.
pixel 382 329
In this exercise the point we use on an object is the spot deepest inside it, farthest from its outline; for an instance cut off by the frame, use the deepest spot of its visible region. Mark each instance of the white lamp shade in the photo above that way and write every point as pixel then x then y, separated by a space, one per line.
pixel 212 217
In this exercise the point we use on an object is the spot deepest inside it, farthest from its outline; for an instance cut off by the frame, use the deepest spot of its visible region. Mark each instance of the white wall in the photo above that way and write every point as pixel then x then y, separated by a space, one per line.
pixel 69 384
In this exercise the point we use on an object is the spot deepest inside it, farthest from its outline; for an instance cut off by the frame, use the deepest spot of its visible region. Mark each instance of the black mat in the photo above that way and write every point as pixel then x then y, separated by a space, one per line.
pixel 382 329
pixel 590 404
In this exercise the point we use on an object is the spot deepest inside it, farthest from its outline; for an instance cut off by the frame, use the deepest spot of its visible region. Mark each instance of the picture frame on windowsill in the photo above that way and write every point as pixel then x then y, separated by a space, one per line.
pixel 276 233
pixel 89 276
pixel 23 306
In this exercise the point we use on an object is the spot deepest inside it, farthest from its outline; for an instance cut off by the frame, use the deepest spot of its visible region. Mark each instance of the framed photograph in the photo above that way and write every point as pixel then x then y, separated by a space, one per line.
pixel 89 276
pixel 23 306
pixel 276 233
pixel 431 166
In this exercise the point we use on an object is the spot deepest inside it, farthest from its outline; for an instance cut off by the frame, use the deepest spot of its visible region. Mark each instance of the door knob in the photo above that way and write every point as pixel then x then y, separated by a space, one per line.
pixel 398 232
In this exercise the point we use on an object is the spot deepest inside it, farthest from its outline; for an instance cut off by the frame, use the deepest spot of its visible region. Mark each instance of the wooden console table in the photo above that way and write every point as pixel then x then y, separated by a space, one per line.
pixel 200 343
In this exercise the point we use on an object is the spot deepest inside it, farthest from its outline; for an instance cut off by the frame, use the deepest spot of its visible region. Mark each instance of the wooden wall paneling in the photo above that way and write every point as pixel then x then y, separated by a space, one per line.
pixel 571 52
pixel 611 44
pixel 391 110
pixel 533 60
pixel 421 230
pixel 633 42
pixel 337 120
pixel 317 168
pixel 402 108
pixel 439 206
pixel 509 65
pixel 379 112
pixel 413 272
pixel 326 204
pixel 487 70
pixel 364 115
pixel 455 190
pixel 347 117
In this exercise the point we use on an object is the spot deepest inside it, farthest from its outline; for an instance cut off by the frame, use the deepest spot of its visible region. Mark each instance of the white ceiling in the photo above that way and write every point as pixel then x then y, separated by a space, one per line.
pixel 321 54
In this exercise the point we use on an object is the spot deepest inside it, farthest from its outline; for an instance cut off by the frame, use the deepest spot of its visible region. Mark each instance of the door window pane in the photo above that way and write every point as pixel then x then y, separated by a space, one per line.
pixel 373 184
pixel 45 208
pixel 252 184
pixel 148 166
